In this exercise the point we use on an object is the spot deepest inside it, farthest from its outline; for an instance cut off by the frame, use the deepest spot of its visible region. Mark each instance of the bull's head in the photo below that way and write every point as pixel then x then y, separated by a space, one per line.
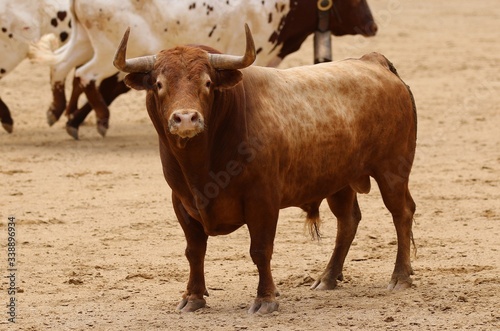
pixel 181 82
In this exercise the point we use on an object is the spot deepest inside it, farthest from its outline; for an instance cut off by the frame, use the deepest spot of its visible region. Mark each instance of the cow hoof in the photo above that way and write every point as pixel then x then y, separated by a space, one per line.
pixel 51 118
pixel 72 131
pixel 261 307
pixel 189 306
pixel 8 127
pixel 102 127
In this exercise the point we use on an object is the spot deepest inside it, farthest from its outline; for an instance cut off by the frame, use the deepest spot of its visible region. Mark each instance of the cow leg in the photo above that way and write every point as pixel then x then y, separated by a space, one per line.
pixel 76 119
pixel 6 119
pixel 101 109
pixel 192 299
pixel 75 95
pixel 58 103
pixel 110 89
pixel 73 106
pixel 344 205
pixel 262 228
pixel 398 200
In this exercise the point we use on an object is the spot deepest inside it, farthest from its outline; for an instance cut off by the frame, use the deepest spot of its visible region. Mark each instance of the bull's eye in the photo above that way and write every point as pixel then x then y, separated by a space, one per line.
pixel 159 85
pixel 208 84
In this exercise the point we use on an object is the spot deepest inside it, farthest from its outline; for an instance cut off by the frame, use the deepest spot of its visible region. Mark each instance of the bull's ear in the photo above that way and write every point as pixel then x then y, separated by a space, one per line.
pixel 227 78
pixel 139 81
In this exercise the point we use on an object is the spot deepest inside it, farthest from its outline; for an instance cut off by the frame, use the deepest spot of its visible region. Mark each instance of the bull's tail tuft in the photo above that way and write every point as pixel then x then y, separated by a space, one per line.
pixel 313 221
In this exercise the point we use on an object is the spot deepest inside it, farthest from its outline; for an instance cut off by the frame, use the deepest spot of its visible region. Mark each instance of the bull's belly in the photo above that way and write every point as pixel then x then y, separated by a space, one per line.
pixel 296 194
pixel 317 184
pixel 228 211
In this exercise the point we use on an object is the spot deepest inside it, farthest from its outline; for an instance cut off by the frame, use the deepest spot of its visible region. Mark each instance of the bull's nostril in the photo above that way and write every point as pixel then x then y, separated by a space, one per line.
pixel 195 117
pixel 177 118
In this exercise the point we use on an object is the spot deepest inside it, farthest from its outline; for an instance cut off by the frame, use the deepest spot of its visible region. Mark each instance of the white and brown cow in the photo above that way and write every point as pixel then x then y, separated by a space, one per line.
pixel 240 142
pixel 280 27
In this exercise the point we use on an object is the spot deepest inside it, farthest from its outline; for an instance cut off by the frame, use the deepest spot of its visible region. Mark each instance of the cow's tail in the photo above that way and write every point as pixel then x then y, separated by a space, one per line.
pixel 42 52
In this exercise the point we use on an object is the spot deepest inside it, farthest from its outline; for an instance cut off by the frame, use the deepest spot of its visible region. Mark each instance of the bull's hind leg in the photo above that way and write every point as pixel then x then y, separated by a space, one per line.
pixel 344 206
pixel 397 199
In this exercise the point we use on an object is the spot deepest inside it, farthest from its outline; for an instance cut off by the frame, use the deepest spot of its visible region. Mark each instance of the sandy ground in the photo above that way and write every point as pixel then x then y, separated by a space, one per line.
pixel 99 247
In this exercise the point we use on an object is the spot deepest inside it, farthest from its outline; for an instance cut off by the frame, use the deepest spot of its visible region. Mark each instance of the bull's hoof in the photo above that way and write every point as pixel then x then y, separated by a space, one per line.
pixel 8 127
pixel 323 286
pixel 324 283
pixel 189 306
pixel 102 127
pixel 51 118
pixel 263 307
pixel 399 283
pixel 72 131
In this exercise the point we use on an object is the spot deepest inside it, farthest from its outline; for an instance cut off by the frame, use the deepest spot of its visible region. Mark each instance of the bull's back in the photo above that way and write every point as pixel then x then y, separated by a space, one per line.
pixel 327 125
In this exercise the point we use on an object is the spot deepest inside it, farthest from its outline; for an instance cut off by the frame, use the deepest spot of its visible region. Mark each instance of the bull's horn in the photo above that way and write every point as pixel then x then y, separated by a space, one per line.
pixel 224 61
pixel 138 64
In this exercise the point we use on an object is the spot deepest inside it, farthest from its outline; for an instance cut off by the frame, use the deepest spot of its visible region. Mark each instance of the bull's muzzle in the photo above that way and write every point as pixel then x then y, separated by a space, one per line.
pixel 186 123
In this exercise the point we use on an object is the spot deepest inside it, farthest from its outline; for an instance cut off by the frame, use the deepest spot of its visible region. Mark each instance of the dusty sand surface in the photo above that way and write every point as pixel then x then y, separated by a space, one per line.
pixel 99 247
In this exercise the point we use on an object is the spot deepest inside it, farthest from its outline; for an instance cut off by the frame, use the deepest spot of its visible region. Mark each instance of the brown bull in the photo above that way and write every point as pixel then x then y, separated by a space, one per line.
pixel 240 142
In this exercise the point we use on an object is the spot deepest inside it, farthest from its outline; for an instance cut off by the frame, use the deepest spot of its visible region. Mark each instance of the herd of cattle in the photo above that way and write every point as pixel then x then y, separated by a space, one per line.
pixel 238 142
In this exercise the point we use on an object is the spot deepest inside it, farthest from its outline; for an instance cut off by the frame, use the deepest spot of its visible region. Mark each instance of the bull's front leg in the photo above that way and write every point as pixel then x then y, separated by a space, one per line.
pixel 192 299
pixel 262 227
